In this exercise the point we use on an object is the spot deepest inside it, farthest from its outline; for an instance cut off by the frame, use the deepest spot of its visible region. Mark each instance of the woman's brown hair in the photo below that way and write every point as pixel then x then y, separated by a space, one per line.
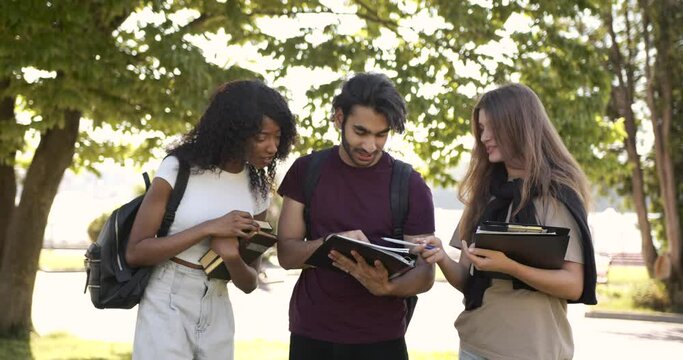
pixel 527 139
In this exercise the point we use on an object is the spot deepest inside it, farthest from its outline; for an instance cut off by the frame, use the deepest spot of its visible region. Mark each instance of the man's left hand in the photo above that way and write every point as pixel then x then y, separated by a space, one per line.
pixel 374 277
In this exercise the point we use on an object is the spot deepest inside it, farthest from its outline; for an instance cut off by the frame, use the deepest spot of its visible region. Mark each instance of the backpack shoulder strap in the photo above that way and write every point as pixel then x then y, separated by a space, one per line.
pixel 176 196
pixel 148 183
pixel 400 178
pixel 310 182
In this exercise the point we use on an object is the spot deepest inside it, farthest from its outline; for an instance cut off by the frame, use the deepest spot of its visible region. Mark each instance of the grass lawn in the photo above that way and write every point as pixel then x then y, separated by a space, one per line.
pixel 64 346
pixel 61 259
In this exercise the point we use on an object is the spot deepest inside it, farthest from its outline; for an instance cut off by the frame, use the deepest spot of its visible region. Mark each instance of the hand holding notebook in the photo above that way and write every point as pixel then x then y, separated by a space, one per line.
pixel 396 260
pixel 538 246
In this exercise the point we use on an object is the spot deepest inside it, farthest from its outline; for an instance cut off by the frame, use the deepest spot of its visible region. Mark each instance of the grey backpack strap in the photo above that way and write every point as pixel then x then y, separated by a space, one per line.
pixel 310 182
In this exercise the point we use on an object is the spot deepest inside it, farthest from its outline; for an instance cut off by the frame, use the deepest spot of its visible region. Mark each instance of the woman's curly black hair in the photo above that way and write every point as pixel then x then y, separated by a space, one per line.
pixel 233 117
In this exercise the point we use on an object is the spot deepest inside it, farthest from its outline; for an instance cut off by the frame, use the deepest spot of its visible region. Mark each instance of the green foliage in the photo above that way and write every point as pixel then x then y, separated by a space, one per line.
pixel 119 68
pixel 138 72
pixel 15 349
pixel 425 63
pixel 96 225
pixel 562 61
pixel 617 293
pixel 652 295
pixel 630 289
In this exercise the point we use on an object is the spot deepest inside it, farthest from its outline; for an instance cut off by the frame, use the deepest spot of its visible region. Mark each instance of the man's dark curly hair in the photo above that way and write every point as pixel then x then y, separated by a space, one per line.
pixel 375 91
pixel 233 117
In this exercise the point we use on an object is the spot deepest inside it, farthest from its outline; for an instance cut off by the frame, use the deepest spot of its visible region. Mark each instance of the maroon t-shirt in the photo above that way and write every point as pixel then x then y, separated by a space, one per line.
pixel 333 306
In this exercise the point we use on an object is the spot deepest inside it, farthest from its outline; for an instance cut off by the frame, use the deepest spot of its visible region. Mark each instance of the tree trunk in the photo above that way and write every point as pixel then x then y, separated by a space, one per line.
pixel 8 185
pixel 638 192
pixel 26 229
pixel 8 191
pixel 664 43
pixel 623 99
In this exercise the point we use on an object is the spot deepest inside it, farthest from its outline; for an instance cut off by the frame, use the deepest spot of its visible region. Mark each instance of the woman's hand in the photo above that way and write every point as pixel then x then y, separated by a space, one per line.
pixel 239 224
pixel 244 276
pixel 488 260
pixel 226 247
pixel 431 249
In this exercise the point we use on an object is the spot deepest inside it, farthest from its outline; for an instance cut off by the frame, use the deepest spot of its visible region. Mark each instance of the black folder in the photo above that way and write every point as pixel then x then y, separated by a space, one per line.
pixel 538 246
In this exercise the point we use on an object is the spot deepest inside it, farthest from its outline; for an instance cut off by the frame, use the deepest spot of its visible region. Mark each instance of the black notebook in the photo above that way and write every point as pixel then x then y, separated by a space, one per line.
pixel 538 246
pixel 397 260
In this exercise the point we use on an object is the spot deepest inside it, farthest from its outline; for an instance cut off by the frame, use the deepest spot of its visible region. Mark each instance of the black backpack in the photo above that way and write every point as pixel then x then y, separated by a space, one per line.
pixel 112 283
pixel 400 178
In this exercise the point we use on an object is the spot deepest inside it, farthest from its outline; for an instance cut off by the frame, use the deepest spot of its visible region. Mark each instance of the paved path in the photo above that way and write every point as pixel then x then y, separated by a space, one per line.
pixel 60 305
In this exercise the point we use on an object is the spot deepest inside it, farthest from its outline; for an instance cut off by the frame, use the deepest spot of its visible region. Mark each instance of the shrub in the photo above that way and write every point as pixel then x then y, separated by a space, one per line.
pixel 651 295
pixel 96 226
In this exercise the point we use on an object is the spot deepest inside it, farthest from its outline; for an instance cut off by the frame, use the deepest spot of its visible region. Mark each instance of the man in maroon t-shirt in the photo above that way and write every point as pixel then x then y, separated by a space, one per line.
pixel 356 313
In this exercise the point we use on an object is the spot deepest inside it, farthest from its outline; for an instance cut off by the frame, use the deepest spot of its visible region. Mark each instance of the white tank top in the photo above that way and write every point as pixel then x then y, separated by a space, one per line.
pixel 208 195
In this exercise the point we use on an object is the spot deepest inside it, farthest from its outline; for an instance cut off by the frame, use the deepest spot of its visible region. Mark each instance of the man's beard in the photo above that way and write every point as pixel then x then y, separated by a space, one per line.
pixel 349 152
pixel 345 144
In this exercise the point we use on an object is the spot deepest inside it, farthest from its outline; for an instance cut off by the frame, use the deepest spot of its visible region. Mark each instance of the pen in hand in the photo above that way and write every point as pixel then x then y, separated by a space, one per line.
pixel 408 243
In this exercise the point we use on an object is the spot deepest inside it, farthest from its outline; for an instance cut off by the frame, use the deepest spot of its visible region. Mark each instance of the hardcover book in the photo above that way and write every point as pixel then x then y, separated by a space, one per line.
pixel 250 249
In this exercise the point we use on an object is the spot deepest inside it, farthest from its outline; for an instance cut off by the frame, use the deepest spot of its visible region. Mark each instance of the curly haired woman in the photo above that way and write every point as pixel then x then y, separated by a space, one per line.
pixel 232 153
pixel 520 172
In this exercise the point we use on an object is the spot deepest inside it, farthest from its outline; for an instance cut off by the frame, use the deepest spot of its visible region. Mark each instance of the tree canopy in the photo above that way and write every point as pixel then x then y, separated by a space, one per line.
pixel 137 69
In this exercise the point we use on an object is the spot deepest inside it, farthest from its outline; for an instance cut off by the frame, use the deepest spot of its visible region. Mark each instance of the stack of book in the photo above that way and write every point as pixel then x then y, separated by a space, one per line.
pixel 250 249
